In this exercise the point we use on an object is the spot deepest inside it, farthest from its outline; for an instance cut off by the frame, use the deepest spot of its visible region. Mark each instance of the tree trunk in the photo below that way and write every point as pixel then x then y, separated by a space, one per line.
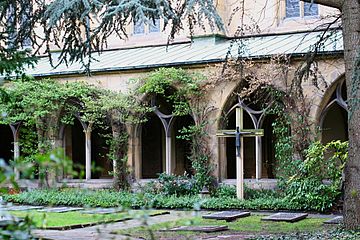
pixel 351 33
pixel 118 151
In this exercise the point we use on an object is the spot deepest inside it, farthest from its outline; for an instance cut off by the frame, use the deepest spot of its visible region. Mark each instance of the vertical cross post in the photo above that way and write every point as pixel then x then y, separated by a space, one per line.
pixel 239 133
pixel 239 155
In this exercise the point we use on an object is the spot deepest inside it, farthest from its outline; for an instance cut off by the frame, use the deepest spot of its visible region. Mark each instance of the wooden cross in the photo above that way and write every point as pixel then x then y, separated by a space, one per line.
pixel 239 133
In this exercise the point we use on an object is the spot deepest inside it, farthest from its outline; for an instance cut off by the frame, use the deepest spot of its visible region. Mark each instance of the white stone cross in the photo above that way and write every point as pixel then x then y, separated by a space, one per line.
pixel 239 134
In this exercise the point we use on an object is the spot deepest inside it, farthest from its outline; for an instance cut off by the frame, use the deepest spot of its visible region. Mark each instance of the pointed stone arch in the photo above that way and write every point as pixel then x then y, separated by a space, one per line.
pixel 333 115
pixel 157 144
pixel 258 151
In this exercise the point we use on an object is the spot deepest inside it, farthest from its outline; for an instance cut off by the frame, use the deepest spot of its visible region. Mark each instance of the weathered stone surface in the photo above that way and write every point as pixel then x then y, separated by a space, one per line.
pixel 335 220
pixel 102 211
pixel 207 229
pixel 8 219
pixel 286 217
pixel 61 209
pixel 227 215
pixel 20 208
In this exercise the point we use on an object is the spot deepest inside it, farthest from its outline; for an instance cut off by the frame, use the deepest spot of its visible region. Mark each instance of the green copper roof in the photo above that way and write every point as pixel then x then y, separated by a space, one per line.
pixel 201 51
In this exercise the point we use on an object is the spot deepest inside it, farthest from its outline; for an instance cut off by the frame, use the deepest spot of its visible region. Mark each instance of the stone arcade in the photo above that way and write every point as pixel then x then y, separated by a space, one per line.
pixel 153 146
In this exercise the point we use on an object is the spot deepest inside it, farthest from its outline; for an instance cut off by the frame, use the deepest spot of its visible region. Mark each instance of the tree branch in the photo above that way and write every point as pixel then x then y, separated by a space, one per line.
pixel 330 3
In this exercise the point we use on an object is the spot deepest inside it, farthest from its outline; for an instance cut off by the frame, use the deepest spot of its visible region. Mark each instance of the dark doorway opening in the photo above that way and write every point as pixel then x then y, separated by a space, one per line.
pixel 6 143
pixel 182 146
pixel 335 126
pixel 74 145
pixel 152 147
pixel 102 167
pixel 268 148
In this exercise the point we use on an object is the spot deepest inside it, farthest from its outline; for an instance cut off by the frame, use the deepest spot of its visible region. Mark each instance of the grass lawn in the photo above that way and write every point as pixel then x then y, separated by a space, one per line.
pixel 68 219
pixel 249 225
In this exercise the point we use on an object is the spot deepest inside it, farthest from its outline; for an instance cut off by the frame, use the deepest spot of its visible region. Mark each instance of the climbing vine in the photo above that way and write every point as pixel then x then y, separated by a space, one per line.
pixel 187 99
pixel 46 104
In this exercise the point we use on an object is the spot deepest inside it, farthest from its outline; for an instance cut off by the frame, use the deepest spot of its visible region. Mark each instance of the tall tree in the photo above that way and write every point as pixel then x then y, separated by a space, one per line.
pixel 350 10
pixel 82 27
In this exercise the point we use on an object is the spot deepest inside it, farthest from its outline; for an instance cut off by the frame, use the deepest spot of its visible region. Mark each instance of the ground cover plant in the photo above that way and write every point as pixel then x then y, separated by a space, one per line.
pixel 109 198
pixel 72 219
pixel 248 226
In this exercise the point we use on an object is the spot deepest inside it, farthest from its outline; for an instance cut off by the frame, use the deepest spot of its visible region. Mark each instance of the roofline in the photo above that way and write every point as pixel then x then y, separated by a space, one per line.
pixel 176 64
pixel 190 41
pixel 282 33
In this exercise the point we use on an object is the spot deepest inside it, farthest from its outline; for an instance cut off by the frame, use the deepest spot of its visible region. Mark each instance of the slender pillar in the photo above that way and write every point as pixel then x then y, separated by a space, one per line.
pixel 258 150
pixel 88 153
pixel 240 157
pixel 168 154
pixel 15 131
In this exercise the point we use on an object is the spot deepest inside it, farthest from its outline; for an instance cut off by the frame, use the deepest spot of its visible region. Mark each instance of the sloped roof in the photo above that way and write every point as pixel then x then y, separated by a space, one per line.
pixel 203 50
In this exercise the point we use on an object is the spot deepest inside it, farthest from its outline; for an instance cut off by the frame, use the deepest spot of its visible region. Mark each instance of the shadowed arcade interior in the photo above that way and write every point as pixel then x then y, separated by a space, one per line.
pixel 102 167
pixel 153 147
pixel 334 122
pixel 74 145
pixel 182 146
pixel 6 143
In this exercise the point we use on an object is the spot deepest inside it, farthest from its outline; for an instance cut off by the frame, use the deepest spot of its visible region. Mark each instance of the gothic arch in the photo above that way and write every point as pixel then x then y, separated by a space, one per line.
pixel 253 152
pixel 158 149
pixel 332 119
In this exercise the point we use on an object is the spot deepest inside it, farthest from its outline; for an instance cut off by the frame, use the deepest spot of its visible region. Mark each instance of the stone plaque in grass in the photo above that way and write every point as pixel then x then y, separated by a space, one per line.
pixel 21 208
pixel 61 209
pixel 102 211
pixel 207 229
pixel 335 220
pixel 227 215
pixel 6 220
pixel 285 217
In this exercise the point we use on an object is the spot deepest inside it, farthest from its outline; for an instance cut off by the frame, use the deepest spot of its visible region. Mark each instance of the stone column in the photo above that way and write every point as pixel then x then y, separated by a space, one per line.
pixel 15 131
pixel 87 153
pixel 258 151
pixel 168 165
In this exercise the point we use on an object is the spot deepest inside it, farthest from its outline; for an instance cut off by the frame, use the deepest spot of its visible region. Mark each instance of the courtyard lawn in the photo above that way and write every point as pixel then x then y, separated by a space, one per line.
pixel 69 220
pixel 250 226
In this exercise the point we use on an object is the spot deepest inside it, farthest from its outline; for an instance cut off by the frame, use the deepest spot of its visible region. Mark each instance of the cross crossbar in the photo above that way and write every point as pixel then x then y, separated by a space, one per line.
pixel 243 133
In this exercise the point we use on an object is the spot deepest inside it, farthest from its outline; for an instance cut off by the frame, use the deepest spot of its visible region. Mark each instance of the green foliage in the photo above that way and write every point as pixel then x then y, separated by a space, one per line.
pixel 229 191
pixel 107 198
pixel 308 187
pixel 332 234
pixel 18 230
pixel 162 82
pixel 172 185
pixel 41 106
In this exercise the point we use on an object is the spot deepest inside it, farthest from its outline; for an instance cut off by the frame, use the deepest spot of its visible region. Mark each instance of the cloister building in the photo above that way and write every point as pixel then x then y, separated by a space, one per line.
pixel 288 27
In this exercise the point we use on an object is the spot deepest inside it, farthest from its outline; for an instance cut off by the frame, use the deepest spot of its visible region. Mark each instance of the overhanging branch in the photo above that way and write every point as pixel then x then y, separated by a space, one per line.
pixel 330 3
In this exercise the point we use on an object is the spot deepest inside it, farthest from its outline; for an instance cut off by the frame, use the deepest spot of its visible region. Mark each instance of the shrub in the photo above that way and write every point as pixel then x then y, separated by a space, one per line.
pixel 307 189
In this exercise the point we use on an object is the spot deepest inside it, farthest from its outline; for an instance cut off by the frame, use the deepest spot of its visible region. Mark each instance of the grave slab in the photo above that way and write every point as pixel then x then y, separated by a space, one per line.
pixel 21 208
pixel 206 229
pixel 286 217
pixel 7 219
pixel 335 220
pixel 60 209
pixel 227 215
pixel 103 211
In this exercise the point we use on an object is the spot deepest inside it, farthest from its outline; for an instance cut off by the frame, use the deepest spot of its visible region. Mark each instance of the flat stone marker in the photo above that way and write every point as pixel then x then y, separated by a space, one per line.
pixel 227 215
pixel 207 229
pixel 6 220
pixel 286 217
pixel 103 211
pixel 61 209
pixel 21 208
pixel 335 220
